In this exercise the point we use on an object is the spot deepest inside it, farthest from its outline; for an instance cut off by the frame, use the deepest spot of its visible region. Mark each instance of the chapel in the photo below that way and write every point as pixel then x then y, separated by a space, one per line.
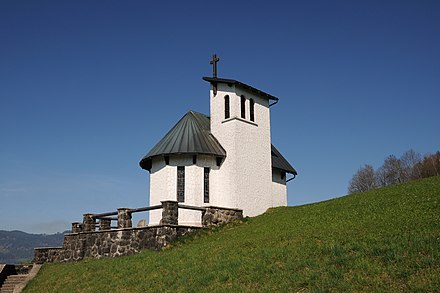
pixel 226 159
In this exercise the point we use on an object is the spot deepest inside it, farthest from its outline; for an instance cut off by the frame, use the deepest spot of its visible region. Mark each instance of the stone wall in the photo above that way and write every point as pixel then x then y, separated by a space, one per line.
pixel 86 241
pixel 214 216
pixel 111 243
pixel 47 254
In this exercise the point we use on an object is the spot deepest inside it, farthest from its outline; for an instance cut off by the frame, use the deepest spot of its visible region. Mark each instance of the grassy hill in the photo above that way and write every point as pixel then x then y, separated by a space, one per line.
pixel 386 240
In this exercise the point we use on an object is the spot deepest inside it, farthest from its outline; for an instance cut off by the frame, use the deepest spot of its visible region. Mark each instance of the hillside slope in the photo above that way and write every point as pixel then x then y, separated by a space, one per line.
pixel 385 240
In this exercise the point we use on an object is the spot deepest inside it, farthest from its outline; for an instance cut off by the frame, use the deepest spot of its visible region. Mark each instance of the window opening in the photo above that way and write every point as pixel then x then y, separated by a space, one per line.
pixel 227 110
pixel 243 107
pixel 206 185
pixel 180 183
pixel 251 109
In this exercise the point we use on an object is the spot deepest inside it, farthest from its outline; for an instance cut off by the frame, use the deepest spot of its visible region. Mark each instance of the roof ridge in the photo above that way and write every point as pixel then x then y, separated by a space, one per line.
pixel 194 113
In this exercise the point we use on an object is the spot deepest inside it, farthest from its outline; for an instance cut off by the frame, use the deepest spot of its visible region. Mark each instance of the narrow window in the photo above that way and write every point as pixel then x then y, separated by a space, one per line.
pixel 206 185
pixel 251 109
pixel 180 183
pixel 227 110
pixel 243 107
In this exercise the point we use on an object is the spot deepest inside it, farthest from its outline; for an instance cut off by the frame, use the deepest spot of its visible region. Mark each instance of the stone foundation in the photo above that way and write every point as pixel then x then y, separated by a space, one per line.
pixel 86 241
pixel 47 254
pixel 110 243
pixel 214 216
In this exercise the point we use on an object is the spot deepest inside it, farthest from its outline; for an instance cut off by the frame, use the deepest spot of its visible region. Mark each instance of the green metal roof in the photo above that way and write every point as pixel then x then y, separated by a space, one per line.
pixel 192 135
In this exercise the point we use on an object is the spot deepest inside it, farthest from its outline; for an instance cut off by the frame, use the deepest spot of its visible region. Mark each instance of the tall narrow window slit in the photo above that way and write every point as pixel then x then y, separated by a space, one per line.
pixel 251 109
pixel 243 107
pixel 180 183
pixel 206 185
pixel 227 109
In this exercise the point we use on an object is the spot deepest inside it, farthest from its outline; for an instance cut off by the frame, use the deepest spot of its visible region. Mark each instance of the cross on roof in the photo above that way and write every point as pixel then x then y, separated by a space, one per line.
pixel 214 61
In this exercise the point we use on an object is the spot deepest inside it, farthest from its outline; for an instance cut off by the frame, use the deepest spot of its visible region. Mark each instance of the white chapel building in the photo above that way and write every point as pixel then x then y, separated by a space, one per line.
pixel 225 160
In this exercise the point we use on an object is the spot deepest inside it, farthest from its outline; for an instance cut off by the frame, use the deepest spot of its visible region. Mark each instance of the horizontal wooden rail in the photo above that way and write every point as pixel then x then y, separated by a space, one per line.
pixel 108 218
pixel 97 216
pixel 188 207
pixel 144 209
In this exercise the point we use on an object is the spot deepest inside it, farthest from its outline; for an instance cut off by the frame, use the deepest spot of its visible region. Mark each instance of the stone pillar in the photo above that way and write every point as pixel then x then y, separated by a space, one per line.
pixel 88 223
pixel 104 224
pixel 76 227
pixel 124 218
pixel 170 213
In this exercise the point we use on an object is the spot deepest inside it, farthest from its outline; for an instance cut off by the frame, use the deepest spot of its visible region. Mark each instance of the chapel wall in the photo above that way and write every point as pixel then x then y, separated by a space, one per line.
pixel 162 180
pixel 224 179
pixel 163 185
pixel 279 188
pixel 253 154
pixel 244 179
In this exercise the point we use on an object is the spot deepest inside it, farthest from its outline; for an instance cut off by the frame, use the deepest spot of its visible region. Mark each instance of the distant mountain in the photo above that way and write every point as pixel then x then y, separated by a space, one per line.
pixel 17 246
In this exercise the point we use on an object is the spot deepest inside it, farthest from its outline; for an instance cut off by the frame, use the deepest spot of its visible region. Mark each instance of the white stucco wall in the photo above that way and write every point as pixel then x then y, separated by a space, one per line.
pixel 163 185
pixel 279 189
pixel 244 180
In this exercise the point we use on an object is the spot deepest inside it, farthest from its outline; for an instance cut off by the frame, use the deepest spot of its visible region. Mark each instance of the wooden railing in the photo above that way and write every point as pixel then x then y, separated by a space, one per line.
pixel 123 216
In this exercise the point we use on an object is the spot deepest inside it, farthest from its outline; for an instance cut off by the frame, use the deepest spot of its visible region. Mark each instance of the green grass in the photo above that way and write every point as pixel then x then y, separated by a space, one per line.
pixel 385 240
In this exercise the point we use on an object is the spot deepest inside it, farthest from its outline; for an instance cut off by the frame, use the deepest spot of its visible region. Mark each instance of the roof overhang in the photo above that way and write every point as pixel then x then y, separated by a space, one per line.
pixel 280 163
pixel 214 81
pixel 147 162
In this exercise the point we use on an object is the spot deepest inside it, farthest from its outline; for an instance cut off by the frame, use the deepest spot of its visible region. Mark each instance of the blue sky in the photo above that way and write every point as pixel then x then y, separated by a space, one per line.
pixel 88 87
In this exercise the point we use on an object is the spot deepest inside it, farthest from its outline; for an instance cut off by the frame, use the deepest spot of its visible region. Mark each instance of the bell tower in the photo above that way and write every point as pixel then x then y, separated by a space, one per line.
pixel 240 121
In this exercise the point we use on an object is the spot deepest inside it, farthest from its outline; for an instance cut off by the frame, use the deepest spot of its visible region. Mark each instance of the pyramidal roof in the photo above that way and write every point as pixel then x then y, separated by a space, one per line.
pixel 191 135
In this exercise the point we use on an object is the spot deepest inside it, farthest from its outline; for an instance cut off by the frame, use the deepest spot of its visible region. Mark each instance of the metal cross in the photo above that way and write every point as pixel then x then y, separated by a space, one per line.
pixel 214 61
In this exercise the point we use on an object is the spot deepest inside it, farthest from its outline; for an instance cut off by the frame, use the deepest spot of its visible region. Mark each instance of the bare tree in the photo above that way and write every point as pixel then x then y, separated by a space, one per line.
pixel 363 180
pixel 435 160
pixel 430 165
pixel 410 166
pixel 380 176
pixel 409 162
pixel 393 171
